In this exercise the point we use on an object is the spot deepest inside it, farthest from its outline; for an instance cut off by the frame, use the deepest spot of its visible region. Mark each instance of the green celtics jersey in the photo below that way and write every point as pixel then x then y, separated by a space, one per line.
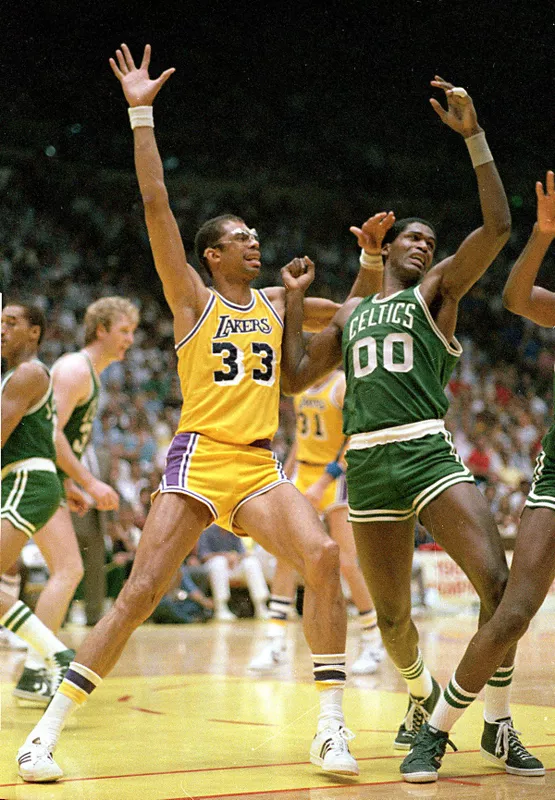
pixel 79 426
pixel 548 441
pixel 397 363
pixel 34 435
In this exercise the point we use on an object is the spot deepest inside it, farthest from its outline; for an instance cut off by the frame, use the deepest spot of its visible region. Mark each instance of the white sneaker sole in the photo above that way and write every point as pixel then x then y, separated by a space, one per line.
pixel 498 762
pixel 337 769
pixel 420 777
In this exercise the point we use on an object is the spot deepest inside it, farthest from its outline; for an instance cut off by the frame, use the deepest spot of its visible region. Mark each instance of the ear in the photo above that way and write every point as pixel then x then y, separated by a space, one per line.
pixel 101 331
pixel 212 255
pixel 35 332
pixel 385 250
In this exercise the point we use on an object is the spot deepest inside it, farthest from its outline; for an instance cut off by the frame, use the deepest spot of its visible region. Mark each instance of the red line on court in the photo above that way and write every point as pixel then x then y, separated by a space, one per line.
pixel 263 766
pixel 146 710
pixel 239 722
pixel 125 698
pixel 165 688
pixel 459 780
pixel 374 730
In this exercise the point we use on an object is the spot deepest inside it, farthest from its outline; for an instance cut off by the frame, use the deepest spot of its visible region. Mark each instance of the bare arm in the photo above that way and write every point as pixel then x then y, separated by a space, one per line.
pixel 72 384
pixel 24 389
pixel 521 296
pixel 304 365
pixel 184 290
pixel 461 271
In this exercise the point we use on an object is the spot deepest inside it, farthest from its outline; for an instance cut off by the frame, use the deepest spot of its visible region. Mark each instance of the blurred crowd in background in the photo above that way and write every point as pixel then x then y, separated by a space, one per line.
pixel 70 234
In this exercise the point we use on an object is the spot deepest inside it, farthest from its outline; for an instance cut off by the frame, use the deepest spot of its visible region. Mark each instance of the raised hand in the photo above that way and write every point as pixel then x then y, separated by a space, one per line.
pixel 460 114
pixel 298 274
pixel 370 236
pixel 138 88
pixel 546 204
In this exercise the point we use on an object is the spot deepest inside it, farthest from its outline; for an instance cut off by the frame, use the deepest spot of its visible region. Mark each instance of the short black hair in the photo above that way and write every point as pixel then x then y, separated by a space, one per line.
pixel 208 235
pixel 33 314
pixel 400 225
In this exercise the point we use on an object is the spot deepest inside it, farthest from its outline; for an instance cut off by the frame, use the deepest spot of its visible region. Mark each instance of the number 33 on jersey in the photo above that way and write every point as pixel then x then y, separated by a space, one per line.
pixel 229 369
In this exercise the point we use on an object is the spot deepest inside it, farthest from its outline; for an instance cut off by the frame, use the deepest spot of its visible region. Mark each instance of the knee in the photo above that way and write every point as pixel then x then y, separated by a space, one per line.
pixel 493 586
pixel 509 627
pixel 71 573
pixel 138 599
pixel 394 624
pixel 322 566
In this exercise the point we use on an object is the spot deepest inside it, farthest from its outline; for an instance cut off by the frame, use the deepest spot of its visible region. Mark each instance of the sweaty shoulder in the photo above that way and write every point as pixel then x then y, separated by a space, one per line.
pixel 276 296
pixel 29 380
pixel 346 310
pixel 72 369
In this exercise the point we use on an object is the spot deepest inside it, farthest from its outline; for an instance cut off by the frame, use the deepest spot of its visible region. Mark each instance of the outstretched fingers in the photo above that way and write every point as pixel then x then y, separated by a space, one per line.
pixel 165 75
pixel 550 182
pixel 128 57
pixel 146 57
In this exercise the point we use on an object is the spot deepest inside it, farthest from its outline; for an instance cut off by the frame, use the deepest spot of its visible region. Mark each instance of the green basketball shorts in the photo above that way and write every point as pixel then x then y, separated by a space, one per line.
pixel 30 498
pixel 542 491
pixel 395 481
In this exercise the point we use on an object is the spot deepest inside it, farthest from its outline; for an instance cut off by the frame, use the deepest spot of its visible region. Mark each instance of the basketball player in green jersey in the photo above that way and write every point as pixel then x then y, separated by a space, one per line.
pixel 31 490
pixel 399 350
pixel 533 565
pixel 109 326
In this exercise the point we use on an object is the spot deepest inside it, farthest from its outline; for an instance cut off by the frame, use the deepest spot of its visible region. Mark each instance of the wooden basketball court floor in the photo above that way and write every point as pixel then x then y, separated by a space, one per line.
pixel 181 717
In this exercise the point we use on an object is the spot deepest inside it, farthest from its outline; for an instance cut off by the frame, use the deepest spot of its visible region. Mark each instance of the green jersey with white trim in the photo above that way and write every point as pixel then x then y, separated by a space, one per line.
pixel 548 441
pixel 33 437
pixel 78 428
pixel 397 363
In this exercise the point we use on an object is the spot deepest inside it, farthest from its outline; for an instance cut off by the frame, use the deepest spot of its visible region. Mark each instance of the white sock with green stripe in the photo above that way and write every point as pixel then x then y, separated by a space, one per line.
pixel 497 694
pixel 418 678
pixel 451 705
pixel 20 620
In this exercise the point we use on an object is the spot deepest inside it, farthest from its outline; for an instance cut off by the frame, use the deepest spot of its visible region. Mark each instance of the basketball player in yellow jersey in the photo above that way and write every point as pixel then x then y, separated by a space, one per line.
pixel 219 466
pixel 315 466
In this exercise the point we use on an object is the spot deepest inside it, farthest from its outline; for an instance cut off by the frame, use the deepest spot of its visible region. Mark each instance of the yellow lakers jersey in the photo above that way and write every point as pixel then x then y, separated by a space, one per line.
pixel 320 421
pixel 229 370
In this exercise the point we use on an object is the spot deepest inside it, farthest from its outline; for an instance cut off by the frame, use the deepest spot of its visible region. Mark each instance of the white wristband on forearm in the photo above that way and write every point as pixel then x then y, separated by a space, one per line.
pixel 141 117
pixel 478 149
pixel 374 261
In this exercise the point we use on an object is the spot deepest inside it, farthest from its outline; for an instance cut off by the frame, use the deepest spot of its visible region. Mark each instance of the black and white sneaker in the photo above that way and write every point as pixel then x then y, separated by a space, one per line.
pixel 330 751
pixel 35 763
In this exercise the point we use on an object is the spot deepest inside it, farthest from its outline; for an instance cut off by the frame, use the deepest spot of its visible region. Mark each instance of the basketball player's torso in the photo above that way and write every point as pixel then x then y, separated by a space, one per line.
pixel 319 433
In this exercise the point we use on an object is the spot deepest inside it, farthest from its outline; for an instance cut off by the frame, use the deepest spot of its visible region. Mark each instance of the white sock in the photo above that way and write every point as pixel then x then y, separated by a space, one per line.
pixel 50 726
pixel 418 678
pixel 451 705
pixel 20 620
pixel 497 695
pixel 331 707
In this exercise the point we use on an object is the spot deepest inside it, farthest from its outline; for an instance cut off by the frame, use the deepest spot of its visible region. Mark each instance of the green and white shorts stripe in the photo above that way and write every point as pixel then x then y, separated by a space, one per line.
pixel 396 481
pixel 30 498
pixel 542 491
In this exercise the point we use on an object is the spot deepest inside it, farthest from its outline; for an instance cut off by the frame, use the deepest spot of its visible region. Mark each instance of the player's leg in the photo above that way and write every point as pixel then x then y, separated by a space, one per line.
pixel 370 645
pixel 10 584
pixel 300 539
pixel 251 570
pixel 58 544
pixel 274 651
pixel 172 527
pixel 532 573
pixel 385 551
pixel 218 573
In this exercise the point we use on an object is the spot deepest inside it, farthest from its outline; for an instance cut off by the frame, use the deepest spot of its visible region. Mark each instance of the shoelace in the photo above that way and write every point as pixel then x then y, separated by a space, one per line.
pixel 434 747
pixel 416 715
pixel 507 736
pixel 341 737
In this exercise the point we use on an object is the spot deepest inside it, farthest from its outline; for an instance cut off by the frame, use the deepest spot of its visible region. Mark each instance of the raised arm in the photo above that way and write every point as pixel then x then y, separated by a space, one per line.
pixel 460 271
pixel 302 365
pixel 184 290
pixel 521 296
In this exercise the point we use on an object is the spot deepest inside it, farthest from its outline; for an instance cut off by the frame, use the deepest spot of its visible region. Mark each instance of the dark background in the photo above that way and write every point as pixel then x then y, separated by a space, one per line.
pixel 319 87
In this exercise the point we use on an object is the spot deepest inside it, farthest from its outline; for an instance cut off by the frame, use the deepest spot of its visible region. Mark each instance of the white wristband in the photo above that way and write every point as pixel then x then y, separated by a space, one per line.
pixel 141 117
pixel 478 149
pixel 374 261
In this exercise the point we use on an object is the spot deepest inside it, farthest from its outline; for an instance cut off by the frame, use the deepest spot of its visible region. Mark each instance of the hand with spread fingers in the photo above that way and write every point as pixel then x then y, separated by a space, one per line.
pixel 460 114
pixel 298 274
pixel 546 205
pixel 370 236
pixel 139 89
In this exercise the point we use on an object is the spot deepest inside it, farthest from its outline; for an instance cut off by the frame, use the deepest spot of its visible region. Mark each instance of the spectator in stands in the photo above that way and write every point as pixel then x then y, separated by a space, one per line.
pixel 226 560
